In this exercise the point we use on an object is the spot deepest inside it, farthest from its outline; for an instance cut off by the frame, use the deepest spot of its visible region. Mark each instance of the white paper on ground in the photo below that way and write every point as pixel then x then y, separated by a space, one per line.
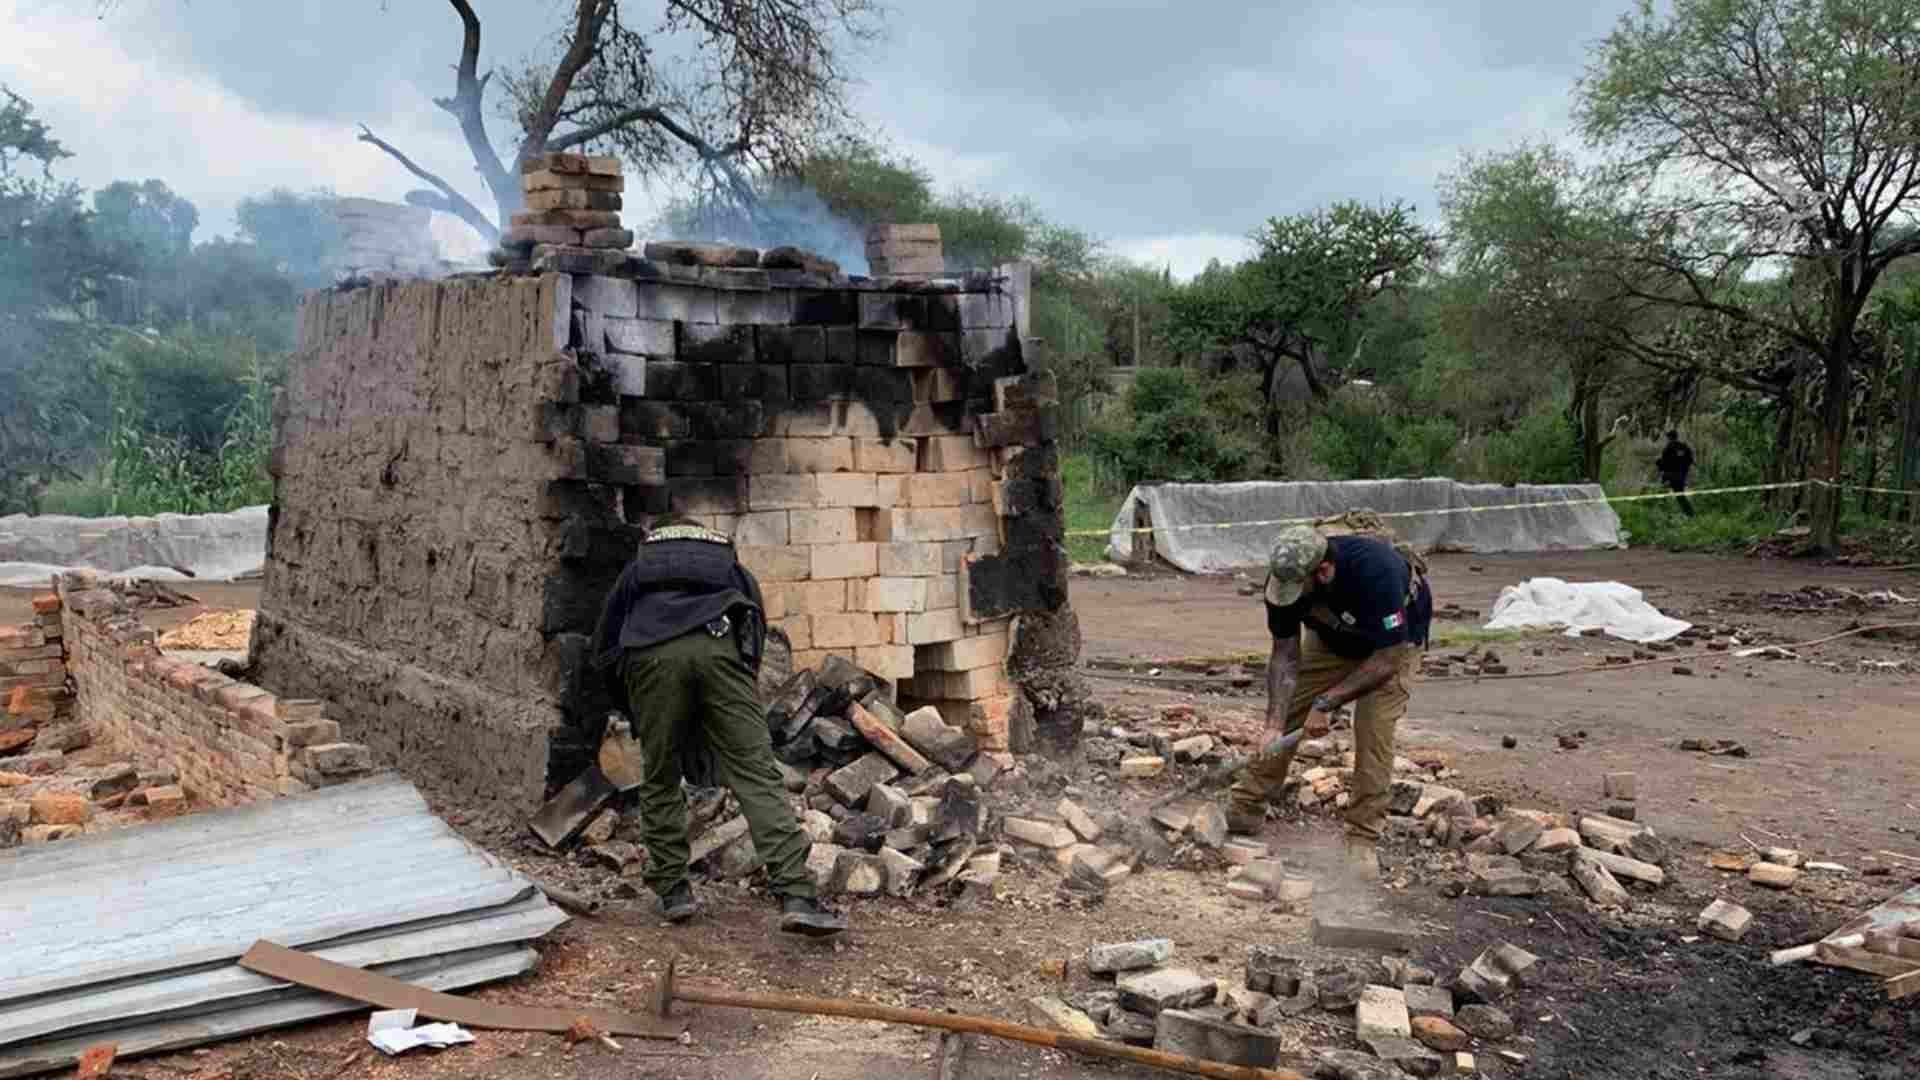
pixel 391 1032
pixel 387 1019
pixel 1609 606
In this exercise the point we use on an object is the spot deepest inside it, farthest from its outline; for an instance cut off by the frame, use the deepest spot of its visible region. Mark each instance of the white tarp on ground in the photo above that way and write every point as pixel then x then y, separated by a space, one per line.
pixel 1172 508
pixel 1551 604
pixel 214 547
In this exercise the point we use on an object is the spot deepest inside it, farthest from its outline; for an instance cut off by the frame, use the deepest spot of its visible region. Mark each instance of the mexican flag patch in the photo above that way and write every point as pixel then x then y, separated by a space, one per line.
pixel 1393 621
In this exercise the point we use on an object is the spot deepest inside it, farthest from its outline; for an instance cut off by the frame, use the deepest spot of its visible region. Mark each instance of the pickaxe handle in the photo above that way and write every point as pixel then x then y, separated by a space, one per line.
pixel 1228 769
pixel 977 1025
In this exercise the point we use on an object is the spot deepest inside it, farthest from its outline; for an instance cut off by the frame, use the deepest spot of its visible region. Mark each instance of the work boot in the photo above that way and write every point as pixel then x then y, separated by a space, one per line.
pixel 802 915
pixel 1246 822
pixel 1362 858
pixel 679 904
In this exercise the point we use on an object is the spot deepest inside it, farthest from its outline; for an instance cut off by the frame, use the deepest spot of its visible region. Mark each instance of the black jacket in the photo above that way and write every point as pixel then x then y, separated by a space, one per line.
pixel 1676 461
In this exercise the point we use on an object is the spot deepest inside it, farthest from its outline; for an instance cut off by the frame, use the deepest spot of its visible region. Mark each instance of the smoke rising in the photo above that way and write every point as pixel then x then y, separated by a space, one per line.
pixel 787 215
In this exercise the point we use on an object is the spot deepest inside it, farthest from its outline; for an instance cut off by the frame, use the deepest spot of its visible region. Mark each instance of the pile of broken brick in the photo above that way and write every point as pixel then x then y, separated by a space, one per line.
pixel 54 799
pixel 1409 1018
pixel 891 800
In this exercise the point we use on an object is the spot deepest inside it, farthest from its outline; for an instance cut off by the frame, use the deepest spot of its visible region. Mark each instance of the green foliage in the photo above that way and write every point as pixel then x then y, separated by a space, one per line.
pixel 1353 437
pixel 51 269
pixel 1361 435
pixel 164 457
pixel 1173 428
pixel 1090 506
pixel 151 225
pixel 295 233
pixel 1305 294
pixel 1425 447
pixel 182 387
pixel 1717 525
pixel 1540 449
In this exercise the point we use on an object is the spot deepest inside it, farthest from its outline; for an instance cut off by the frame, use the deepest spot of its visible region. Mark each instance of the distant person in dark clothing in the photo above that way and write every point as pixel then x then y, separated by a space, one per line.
pixel 1676 461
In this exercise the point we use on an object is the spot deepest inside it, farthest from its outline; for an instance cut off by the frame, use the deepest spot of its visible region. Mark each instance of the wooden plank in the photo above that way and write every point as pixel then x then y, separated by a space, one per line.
pixel 233 986
pixel 1862 960
pixel 1902 986
pixel 452 972
pixel 390 993
pixel 1891 943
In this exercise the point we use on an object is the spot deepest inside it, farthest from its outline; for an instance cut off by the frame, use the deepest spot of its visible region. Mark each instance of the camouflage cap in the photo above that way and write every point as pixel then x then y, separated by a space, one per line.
pixel 1296 551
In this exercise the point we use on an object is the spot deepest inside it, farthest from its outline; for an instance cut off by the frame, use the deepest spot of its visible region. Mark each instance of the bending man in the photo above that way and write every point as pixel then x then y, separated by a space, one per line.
pixel 685 628
pixel 1346 615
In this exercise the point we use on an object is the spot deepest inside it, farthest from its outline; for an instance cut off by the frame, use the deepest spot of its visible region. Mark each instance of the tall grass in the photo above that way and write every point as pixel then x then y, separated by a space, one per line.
pixel 1091 504
pixel 146 469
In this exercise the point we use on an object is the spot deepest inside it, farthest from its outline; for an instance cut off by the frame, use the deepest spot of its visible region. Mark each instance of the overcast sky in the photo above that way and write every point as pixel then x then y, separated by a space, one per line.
pixel 1167 130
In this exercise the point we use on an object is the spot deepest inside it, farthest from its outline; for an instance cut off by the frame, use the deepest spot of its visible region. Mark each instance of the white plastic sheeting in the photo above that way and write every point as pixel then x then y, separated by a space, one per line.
pixel 1173 509
pixel 1551 604
pixel 215 547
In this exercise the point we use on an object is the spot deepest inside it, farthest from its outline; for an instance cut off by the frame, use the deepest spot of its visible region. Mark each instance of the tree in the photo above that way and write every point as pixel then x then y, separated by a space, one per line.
pixel 761 86
pixel 148 221
pixel 296 233
pixel 50 268
pixel 1301 296
pixel 1760 136
pixel 1532 292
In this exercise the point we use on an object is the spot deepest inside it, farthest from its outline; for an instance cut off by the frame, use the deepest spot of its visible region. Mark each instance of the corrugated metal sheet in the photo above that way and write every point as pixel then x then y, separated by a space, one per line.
pixel 131 936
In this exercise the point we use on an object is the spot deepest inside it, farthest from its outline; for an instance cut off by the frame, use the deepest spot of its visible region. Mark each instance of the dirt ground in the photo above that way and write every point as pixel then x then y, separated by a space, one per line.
pixel 1833 757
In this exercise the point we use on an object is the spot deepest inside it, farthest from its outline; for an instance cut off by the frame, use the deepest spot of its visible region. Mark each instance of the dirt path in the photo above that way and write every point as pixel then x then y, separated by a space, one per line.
pixel 1832 767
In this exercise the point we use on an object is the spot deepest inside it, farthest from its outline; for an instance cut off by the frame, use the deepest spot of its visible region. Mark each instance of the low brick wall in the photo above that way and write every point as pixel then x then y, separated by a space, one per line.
pixel 33 671
pixel 227 741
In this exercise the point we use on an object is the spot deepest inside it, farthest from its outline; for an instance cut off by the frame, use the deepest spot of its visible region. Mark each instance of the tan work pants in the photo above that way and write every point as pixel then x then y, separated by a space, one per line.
pixel 1376 715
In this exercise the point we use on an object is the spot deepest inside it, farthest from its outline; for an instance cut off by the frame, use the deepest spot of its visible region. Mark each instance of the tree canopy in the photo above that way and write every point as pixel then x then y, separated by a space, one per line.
pixel 1766 136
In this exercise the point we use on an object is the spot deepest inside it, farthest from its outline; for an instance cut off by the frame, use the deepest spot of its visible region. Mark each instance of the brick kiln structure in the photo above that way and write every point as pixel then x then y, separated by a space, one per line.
pixel 462 467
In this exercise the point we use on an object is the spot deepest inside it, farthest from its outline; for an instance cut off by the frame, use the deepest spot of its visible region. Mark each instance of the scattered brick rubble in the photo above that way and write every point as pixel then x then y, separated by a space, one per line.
pixel 101 730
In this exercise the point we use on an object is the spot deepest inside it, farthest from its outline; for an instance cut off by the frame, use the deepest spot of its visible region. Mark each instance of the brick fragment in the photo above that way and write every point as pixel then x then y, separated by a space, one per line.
pixel 60 808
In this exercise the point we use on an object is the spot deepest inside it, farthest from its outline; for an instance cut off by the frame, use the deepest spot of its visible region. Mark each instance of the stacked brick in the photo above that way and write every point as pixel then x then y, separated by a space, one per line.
pixel 848 440
pixel 33 676
pixel 905 251
pixel 463 467
pixel 571 223
pixel 227 741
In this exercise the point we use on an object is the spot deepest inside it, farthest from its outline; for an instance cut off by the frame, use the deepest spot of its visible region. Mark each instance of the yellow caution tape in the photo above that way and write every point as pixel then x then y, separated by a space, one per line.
pixel 1649 497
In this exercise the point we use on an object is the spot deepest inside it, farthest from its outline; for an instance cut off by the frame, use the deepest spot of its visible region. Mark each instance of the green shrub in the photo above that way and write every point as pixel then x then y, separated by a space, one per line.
pixel 1353 438
pixel 1425 447
pixel 1541 449
pixel 1736 522
pixel 1172 428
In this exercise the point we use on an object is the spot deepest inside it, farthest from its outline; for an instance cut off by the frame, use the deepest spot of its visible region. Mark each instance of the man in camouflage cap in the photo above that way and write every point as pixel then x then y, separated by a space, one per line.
pixel 1346 614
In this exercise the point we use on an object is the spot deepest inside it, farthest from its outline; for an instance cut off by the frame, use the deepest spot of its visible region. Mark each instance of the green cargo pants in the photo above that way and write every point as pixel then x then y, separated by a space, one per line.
pixel 1375 716
pixel 697 687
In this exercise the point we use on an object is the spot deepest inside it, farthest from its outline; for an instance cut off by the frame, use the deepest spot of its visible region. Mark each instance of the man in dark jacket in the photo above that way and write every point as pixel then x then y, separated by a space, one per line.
pixel 1347 615
pixel 684 629
pixel 1676 461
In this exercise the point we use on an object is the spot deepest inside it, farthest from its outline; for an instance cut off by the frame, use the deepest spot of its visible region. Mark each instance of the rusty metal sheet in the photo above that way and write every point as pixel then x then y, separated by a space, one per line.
pixel 313 972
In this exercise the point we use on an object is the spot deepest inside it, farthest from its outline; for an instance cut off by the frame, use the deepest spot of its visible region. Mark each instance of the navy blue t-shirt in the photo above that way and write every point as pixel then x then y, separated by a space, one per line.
pixel 1365 604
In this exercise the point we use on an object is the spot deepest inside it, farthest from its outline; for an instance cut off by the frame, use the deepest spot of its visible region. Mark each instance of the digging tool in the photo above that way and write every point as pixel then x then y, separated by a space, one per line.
pixel 667 990
pixel 1224 772
pixel 1798 953
pixel 615 771
pixel 1845 941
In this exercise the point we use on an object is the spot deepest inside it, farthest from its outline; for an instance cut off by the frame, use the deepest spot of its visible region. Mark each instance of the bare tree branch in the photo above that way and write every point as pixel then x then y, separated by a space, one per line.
pixel 465 106
pixel 455 203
